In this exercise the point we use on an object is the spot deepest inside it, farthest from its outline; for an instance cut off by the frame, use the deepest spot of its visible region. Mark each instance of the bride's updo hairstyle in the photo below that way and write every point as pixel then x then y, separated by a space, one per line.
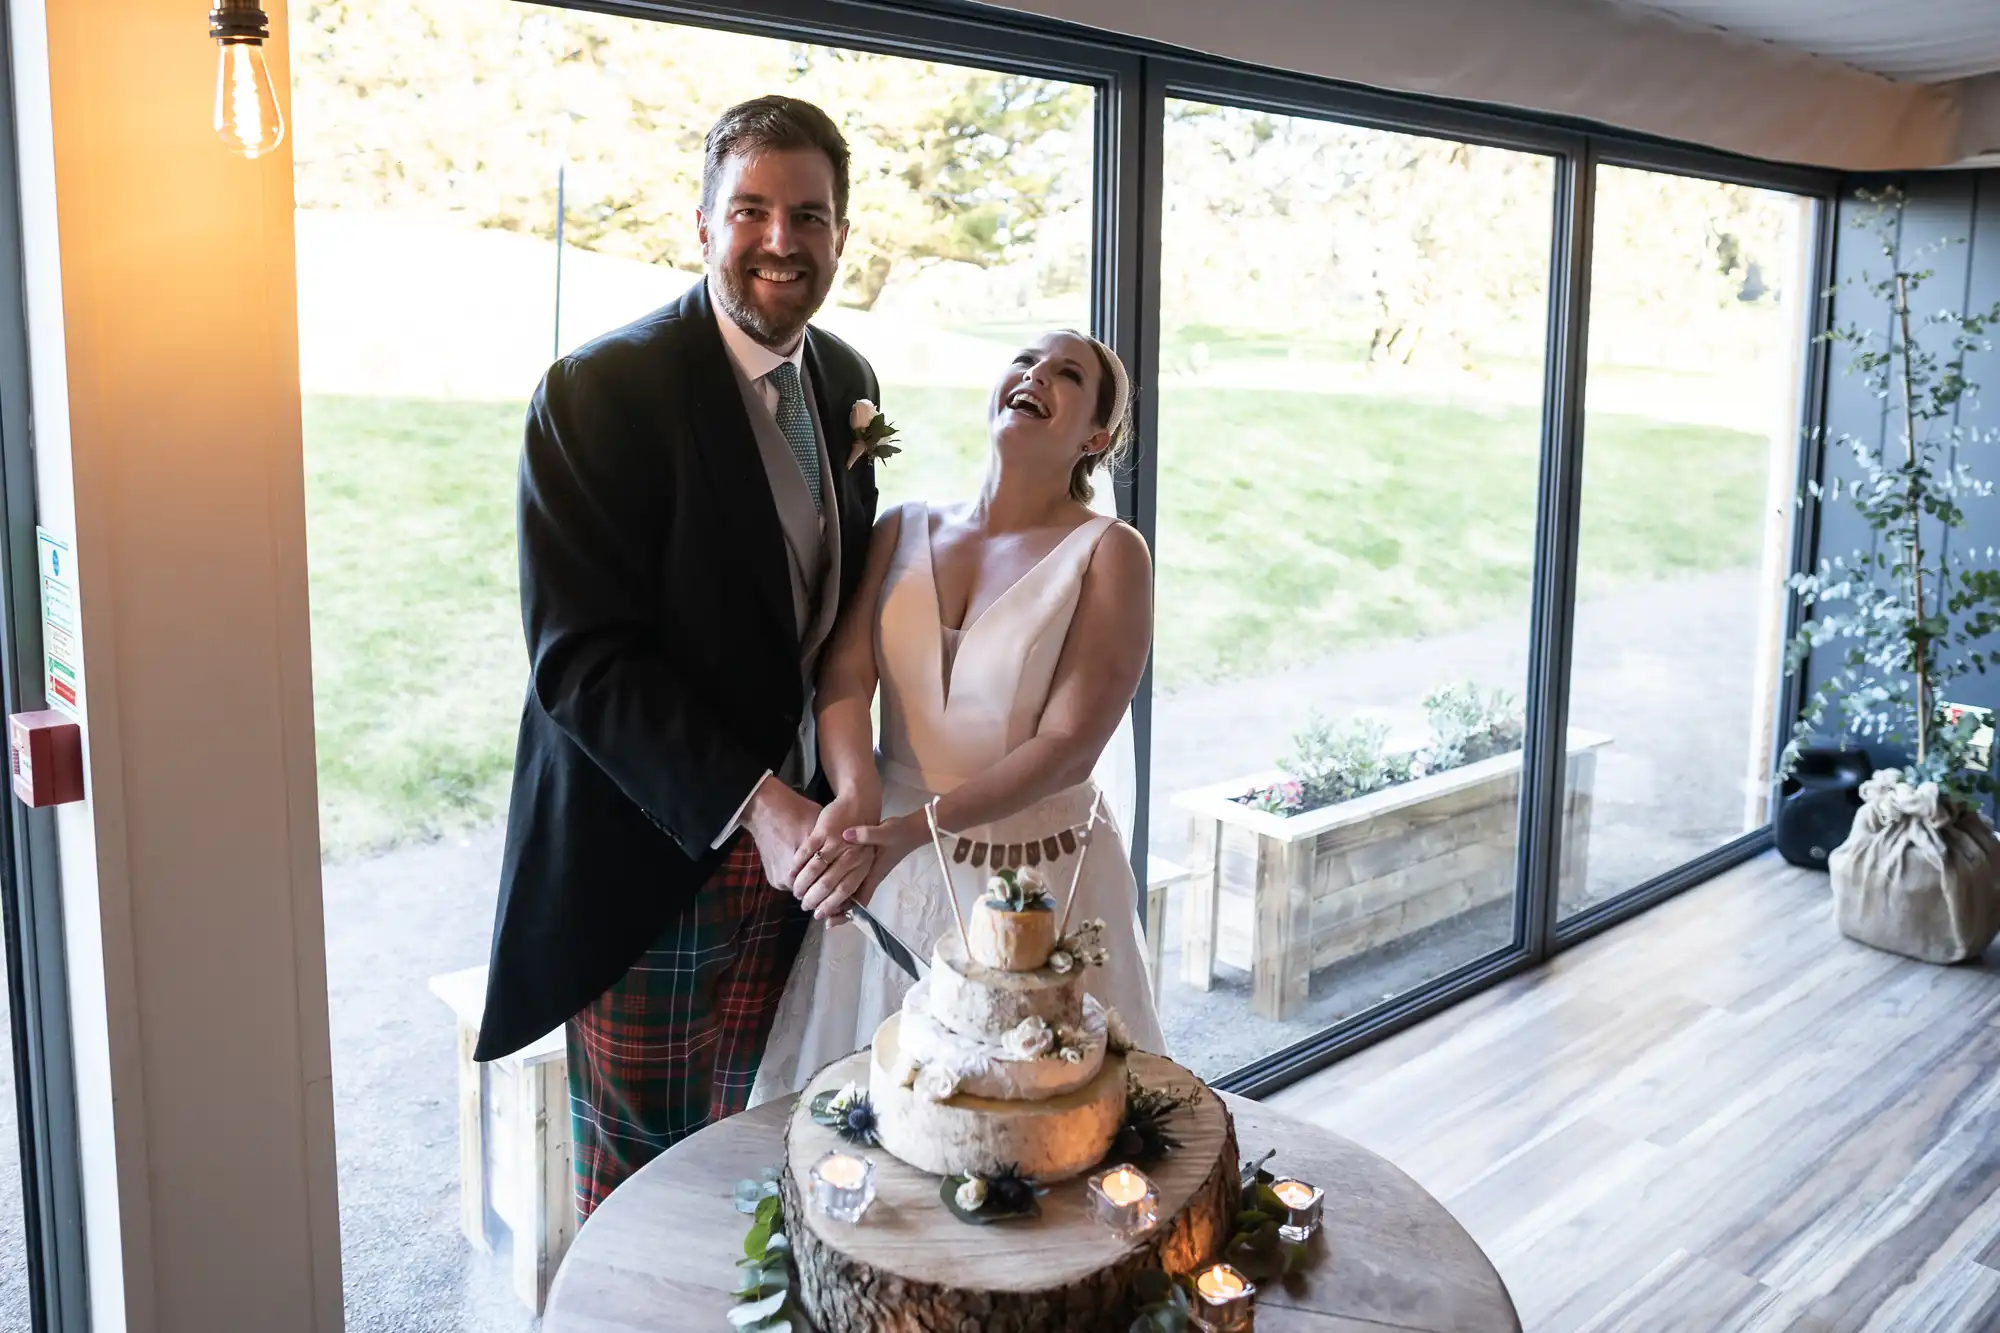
pixel 1114 414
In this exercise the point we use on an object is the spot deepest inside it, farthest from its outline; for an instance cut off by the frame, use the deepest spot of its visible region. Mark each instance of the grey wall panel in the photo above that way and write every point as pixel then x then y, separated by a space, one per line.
pixel 1955 206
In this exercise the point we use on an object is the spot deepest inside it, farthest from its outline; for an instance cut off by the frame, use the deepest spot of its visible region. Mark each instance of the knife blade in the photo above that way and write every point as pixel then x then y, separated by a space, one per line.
pixel 885 939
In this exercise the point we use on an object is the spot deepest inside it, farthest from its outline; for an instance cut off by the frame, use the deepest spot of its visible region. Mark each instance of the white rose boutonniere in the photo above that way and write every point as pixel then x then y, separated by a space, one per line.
pixel 872 433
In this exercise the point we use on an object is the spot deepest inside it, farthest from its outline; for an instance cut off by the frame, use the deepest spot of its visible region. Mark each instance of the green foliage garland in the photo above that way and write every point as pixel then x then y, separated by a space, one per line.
pixel 764 1287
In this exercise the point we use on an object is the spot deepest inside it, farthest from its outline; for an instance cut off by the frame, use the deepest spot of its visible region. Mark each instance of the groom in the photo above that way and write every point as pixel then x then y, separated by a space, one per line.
pixel 689 529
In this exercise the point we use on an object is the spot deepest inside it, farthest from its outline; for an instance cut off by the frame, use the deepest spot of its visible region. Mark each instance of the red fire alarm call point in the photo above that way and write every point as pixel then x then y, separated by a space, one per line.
pixel 45 753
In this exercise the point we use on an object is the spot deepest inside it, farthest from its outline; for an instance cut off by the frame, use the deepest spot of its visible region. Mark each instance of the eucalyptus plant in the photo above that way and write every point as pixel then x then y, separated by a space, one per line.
pixel 1911 611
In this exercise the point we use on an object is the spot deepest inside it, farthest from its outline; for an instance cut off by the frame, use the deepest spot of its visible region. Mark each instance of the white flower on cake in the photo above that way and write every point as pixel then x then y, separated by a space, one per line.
pixel 936 1082
pixel 1081 946
pixel 1117 1036
pixel 971 1196
pixel 1029 1038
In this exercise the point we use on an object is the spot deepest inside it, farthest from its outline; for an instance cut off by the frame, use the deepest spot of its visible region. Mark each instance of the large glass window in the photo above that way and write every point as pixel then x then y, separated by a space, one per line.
pixel 1697 339
pixel 1352 341
pixel 13 1229
pixel 434 171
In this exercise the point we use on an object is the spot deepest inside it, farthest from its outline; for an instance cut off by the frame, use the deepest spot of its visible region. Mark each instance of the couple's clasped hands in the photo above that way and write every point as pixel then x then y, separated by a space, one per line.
pixel 832 856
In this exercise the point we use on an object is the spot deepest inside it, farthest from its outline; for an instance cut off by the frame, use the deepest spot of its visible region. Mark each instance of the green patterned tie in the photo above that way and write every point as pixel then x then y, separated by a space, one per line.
pixel 796 422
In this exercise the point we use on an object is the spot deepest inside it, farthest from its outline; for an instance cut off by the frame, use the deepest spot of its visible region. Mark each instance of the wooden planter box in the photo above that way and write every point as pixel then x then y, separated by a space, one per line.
pixel 1280 896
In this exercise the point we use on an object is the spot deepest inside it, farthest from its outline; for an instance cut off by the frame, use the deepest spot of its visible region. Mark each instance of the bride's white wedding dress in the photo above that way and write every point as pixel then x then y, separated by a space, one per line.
pixel 954 703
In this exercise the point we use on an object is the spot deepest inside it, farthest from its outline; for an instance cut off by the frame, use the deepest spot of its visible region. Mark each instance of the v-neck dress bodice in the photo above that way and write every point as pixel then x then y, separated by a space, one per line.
pixel 949 713
pixel 948 716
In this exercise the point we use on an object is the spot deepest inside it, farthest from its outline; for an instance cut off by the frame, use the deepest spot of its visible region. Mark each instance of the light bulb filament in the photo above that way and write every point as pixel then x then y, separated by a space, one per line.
pixel 246 105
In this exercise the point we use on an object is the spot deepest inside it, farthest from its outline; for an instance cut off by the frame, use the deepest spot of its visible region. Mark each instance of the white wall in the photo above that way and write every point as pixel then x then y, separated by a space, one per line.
pixel 1591 59
pixel 163 342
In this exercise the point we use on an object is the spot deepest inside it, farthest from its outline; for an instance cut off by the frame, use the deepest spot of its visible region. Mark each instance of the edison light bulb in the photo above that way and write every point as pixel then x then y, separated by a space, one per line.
pixel 246 106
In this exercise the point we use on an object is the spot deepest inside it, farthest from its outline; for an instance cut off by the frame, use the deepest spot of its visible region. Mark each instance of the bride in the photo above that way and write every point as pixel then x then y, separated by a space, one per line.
pixel 1007 635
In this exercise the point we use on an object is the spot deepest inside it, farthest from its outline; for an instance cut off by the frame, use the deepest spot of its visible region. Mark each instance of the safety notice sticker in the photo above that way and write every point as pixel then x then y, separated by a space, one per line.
pixel 62 645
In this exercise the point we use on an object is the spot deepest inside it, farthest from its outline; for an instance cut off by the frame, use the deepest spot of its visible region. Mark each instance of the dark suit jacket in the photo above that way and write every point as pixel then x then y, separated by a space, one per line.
pixel 665 658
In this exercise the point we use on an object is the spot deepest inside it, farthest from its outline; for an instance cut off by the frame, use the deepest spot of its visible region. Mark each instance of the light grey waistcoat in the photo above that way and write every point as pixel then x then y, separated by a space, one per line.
pixel 812 550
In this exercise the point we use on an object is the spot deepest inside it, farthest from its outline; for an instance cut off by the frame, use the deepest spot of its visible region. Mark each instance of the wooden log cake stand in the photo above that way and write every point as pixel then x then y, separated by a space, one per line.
pixel 659 1255
pixel 910 1266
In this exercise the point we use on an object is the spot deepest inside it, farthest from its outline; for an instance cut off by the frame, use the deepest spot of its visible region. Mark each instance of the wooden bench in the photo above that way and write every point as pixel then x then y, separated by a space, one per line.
pixel 1161 875
pixel 514 1175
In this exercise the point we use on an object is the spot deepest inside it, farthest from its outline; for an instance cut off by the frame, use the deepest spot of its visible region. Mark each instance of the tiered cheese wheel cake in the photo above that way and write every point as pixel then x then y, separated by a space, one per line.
pixel 999 1060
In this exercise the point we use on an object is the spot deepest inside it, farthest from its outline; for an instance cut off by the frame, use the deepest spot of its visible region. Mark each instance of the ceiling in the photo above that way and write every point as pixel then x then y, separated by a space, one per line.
pixel 1920 41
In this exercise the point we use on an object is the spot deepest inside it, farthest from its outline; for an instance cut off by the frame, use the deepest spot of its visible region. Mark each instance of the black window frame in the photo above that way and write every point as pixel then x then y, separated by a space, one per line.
pixel 1133 78
pixel 44 1054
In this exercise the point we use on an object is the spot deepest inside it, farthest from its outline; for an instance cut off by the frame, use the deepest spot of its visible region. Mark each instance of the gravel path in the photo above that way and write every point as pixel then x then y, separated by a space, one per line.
pixel 1662 670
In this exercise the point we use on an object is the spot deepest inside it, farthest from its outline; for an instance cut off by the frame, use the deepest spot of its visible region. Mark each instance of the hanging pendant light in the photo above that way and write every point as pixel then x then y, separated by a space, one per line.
pixel 246 105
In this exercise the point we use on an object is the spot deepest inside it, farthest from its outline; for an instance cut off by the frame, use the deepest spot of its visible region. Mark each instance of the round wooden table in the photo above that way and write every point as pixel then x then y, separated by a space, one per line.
pixel 660 1254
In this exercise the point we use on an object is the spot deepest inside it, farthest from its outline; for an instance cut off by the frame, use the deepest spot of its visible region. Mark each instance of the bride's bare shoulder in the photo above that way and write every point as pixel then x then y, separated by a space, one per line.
pixel 1122 557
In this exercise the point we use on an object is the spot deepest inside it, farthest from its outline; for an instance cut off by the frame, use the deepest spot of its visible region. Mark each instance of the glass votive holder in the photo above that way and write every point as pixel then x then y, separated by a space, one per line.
pixel 843 1185
pixel 1302 1202
pixel 1223 1301
pixel 1125 1201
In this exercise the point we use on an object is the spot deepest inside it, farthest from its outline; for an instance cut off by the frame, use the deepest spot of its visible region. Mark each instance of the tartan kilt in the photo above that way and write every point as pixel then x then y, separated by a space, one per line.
pixel 673 1045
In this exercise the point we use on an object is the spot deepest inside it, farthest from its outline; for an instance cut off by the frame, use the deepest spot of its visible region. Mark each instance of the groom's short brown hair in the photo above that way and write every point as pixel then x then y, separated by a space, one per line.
pixel 766 123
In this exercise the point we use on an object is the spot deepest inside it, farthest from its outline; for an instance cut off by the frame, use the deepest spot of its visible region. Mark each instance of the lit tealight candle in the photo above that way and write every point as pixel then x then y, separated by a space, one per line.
pixel 1302 1206
pixel 843 1185
pixel 1124 1200
pixel 1223 1301
pixel 1125 1186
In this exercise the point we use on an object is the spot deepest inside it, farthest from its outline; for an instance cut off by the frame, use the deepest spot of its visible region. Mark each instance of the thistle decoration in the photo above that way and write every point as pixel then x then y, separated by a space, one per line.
pixel 849 1113
pixel 1144 1135
pixel 999 1196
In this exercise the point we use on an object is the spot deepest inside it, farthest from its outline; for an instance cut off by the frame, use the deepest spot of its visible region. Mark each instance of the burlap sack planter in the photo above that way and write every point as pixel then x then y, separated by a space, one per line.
pixel 1918 876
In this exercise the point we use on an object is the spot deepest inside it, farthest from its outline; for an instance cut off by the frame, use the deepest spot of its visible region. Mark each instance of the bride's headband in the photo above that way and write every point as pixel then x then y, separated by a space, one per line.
pixel 1121 384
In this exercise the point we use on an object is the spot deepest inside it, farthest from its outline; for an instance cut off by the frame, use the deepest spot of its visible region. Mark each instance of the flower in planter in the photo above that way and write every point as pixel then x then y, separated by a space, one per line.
pixel 1468 725
pixel 1280 798
pixel 1333 763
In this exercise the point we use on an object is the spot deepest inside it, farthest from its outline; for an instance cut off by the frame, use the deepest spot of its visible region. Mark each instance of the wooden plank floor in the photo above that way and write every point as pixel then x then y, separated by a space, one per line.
pixel 1720 1116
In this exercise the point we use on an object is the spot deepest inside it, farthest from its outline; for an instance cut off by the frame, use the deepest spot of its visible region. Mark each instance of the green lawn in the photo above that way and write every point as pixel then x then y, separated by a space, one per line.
pixel 1290 525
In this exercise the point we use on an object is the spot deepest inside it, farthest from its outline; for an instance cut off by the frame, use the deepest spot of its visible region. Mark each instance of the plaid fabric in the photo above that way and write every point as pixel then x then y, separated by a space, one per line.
pixel 673 1045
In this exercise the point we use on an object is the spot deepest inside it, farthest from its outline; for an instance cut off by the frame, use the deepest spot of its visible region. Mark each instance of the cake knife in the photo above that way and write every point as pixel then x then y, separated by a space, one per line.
pixel 885 939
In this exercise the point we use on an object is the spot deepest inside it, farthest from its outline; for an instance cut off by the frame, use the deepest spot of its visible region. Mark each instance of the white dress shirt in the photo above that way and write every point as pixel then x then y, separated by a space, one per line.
pixel 756 362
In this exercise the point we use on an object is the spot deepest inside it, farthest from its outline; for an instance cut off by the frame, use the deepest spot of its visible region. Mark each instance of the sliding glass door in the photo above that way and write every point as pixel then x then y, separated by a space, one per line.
pixel 1699 297
pixel 1351 372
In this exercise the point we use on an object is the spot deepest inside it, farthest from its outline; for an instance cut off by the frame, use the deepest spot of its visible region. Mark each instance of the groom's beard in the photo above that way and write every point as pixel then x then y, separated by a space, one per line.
pixel 775 314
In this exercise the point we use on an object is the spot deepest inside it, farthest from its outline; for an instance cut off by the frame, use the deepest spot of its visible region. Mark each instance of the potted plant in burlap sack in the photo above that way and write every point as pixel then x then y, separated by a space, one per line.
pixel 1911 612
